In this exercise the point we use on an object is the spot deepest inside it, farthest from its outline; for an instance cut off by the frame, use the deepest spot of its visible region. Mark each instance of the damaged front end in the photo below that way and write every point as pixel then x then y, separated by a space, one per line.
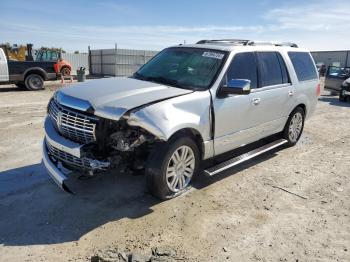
pixel 79 142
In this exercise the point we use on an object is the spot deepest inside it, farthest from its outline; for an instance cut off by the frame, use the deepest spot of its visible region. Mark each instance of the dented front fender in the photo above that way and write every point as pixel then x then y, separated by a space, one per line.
pixel 165 118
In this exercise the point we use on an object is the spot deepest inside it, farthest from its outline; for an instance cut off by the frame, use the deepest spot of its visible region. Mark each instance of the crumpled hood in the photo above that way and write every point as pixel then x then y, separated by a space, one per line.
pixel 112 97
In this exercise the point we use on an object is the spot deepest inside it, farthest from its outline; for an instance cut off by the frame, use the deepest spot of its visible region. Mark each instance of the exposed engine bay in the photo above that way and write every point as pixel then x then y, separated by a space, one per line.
pixel 124 147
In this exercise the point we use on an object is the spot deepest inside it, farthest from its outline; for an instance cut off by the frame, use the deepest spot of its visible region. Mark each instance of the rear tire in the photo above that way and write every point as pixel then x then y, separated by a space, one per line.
pixel 294 126
pixel 34 82
pixel 171 167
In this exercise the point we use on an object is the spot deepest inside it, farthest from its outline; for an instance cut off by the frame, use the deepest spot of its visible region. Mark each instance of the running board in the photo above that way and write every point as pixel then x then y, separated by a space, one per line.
pixel 244 157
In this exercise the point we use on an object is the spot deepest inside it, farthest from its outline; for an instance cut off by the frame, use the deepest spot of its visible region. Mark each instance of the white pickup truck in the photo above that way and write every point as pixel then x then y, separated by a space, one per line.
pixel 28 74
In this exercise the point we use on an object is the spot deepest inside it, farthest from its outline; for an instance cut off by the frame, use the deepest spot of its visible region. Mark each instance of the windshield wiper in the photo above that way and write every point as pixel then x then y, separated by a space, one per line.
pixel 162 80
pixel 156 79
pixel 139 76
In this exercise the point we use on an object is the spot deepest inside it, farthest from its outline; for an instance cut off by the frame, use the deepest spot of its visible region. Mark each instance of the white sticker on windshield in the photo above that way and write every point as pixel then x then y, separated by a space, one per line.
pixel 213 55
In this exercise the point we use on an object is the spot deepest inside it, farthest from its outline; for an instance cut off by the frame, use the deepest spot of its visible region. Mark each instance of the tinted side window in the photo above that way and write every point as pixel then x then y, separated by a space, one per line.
pixel 270 69
pixel 243 66
pixel 303 65
pixel 284 71
pixel 54 56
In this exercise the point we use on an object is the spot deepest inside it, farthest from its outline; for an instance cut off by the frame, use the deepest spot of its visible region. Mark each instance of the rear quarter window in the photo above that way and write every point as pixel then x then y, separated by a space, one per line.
pixel 303 65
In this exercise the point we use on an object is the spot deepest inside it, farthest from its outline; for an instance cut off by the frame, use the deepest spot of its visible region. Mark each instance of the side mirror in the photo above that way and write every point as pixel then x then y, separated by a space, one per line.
pixel 236 87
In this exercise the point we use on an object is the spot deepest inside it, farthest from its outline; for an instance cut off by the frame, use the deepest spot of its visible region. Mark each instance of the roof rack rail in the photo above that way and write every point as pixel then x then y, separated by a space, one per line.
pixel 290 44
pixel 246 42
pixel 225 41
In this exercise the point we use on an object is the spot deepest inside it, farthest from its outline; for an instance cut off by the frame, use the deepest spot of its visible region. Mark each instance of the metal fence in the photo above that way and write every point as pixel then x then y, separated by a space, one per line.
pixel 77 61
pixel 118 62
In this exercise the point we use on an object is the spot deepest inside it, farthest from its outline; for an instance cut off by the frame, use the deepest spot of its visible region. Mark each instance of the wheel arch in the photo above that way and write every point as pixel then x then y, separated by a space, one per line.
pixel 301 105
pixel 194 134
pixel 35 70
pixel 66 66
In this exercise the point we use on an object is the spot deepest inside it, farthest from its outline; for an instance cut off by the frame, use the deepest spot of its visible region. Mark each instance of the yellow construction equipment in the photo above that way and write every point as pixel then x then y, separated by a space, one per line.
pixel 18 53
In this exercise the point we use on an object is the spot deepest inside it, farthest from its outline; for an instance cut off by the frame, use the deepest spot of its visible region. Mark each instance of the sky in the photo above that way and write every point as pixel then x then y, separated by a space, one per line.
pixel 156 24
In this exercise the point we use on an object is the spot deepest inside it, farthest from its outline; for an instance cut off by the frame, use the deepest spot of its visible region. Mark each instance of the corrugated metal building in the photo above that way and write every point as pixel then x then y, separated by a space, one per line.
pixel 77 61
pixel 118 62
pixel 332 58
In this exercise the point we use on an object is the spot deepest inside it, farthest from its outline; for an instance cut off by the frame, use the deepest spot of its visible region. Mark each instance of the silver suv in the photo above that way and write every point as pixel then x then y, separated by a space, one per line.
pixel 190 103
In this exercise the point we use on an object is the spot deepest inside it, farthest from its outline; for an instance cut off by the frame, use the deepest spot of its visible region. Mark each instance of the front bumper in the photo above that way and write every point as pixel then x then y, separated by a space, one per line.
pixel 61 156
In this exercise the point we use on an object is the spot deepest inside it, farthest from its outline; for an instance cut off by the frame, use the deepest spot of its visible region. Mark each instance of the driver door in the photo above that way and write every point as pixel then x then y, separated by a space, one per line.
pixel 234 114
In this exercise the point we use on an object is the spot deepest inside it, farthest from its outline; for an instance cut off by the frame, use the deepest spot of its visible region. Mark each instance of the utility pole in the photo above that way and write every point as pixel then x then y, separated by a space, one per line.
pixel 89 61
pixel 116 59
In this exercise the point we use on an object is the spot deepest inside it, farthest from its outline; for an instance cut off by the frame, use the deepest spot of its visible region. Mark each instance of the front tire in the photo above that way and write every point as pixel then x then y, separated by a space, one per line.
pixel 294 126
pixel 34 82
pixel 171 167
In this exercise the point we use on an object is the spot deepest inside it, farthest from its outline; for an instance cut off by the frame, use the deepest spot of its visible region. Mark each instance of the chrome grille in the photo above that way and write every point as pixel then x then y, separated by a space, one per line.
pixel 82 163
pixel 71 124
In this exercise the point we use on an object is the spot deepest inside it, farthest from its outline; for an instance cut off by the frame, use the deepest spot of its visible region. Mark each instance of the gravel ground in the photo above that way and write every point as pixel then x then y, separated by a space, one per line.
pixel 243 214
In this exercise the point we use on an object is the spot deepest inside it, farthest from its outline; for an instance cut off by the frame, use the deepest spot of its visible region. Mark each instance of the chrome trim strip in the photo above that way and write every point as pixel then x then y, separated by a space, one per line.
pixel 52 170
pixel 242 158
pixel 265 88
pixel 60 142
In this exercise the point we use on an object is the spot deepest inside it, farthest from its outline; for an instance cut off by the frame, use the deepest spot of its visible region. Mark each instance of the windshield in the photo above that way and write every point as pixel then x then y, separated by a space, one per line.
pixel 46 56
pixel 183 67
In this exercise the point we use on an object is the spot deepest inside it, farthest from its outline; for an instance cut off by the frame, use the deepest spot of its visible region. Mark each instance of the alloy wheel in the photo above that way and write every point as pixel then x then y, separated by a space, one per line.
pixel 295 127
pixel 180 169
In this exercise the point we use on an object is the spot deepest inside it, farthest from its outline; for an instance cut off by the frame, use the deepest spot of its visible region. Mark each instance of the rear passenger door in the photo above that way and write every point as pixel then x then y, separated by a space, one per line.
pixel 275 93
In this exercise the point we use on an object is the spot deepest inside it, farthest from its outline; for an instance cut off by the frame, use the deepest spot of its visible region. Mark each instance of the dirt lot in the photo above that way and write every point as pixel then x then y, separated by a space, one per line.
pixel 240 215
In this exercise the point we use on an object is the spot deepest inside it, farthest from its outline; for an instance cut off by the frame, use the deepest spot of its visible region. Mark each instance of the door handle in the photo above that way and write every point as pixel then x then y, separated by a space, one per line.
pixel 256 101
pixel 291 93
